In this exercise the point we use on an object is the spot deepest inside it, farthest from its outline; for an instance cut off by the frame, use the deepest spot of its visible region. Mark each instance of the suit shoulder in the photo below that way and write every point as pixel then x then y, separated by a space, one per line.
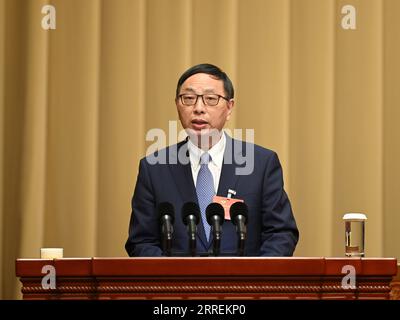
pixel 259 151
pixel 264 151
pixel 166 153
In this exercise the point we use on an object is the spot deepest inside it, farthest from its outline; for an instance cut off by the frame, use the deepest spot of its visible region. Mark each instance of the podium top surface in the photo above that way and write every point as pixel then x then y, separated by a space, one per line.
pixel 197 266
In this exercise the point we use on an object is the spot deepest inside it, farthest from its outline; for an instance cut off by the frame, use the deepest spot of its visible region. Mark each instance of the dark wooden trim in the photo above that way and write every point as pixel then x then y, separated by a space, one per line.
pixel 211 278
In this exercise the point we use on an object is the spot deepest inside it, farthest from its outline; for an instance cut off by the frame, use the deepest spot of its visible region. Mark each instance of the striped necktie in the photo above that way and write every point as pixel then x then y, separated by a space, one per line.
pixel 205 190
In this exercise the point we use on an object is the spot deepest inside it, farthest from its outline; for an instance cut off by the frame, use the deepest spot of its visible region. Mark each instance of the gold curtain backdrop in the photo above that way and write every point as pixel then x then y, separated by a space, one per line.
pixel 76 104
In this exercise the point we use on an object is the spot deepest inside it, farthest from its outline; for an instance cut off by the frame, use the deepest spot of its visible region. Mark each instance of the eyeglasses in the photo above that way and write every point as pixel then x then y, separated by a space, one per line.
pixel 210 100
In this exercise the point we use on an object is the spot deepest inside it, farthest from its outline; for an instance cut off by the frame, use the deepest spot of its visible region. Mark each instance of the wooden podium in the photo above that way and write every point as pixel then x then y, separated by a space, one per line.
pixel 208 278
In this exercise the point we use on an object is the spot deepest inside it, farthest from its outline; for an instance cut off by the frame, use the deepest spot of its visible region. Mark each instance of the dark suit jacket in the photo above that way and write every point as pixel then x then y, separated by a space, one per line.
pixel 271 229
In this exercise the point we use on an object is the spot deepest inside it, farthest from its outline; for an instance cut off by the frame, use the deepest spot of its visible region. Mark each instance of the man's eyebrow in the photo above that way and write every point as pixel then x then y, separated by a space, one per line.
pixel 188 89
pixel 210 90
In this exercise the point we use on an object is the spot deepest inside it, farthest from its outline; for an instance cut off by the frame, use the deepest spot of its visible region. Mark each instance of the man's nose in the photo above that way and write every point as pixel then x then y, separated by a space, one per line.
pixel 199 106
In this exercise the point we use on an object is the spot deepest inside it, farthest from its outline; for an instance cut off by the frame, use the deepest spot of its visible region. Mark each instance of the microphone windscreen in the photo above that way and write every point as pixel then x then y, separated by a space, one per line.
pixel 238 208
pixel 190 208
pixel 215 209
pixel 166 208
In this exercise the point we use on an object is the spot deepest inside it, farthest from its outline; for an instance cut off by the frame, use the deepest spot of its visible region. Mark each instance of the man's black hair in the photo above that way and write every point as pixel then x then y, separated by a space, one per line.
pixel 211 70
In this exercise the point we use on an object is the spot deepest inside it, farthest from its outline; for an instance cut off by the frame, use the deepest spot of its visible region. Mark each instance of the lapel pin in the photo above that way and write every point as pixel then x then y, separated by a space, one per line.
pixel 231 193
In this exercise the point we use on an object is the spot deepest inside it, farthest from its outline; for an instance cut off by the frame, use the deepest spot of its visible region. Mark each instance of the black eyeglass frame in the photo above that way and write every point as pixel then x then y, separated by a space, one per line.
pixel 202 98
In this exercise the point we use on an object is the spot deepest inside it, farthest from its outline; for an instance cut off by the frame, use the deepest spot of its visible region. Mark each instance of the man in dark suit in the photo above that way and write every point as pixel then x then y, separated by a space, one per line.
pixel 204 100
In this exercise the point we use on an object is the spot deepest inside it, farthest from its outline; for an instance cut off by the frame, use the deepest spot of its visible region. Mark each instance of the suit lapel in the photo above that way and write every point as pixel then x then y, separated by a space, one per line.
pixel 228 178
pixel 182 175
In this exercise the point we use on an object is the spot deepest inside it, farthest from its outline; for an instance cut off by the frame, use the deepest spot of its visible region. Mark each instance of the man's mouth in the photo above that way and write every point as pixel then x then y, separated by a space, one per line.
pixel 199 124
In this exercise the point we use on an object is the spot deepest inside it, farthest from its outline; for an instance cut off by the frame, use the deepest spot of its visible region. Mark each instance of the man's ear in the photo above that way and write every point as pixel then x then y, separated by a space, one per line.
pixel 230 105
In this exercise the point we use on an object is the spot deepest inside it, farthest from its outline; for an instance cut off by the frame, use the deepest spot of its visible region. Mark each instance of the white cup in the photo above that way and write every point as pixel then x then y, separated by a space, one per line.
pixel 51 253
pixel 354 234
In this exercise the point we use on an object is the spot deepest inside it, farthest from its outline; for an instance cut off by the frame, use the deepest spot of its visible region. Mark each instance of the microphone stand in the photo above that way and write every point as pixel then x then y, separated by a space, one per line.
pixel 241 241
pixel 167 237
pixel 203 254
pixel 241 230
pixel 192 244
pixel 216 238
pixel 216 246
pixel 167 246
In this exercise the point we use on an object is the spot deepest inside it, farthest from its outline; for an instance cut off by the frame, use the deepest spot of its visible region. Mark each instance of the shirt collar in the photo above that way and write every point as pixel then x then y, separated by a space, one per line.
pixel 216 153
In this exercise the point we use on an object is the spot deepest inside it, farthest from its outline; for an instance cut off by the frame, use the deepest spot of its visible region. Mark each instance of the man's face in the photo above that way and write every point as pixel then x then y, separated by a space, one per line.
pixel 200 119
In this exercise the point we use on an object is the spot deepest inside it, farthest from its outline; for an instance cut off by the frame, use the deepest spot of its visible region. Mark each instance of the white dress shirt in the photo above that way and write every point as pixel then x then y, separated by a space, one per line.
pixel 215 165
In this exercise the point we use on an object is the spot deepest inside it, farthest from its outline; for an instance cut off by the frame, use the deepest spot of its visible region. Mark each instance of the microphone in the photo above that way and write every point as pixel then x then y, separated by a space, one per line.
pixel 239 217
pixel 166 214
pixel 215 218
pixel 190 218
